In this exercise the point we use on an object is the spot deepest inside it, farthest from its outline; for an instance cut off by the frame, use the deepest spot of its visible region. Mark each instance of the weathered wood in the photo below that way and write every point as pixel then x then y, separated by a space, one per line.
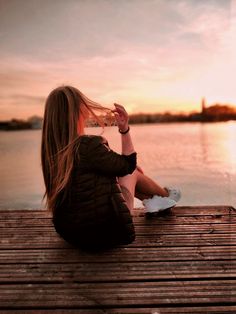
pixel 52 240
pixel 180 211
pixel 146 310
pixel 141 230
pixel 179 310
pixel 118 294
pixel 181 263
pixel 112 272
pixel 120 255
pixel 141 220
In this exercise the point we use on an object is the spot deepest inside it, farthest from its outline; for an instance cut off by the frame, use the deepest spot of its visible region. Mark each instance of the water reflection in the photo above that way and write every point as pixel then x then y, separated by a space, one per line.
pixel 204 142
pixel 199 158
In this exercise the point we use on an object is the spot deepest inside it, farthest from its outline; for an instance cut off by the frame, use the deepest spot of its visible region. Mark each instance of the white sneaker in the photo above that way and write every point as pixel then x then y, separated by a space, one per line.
pixel 174 193
pixel 157 204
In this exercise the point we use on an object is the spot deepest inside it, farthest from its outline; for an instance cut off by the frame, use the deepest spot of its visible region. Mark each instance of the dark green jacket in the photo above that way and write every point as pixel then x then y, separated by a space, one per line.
pixel 94 215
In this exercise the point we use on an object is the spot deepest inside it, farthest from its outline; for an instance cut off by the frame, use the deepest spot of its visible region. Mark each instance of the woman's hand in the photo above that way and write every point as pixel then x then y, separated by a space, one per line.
pixel 122 117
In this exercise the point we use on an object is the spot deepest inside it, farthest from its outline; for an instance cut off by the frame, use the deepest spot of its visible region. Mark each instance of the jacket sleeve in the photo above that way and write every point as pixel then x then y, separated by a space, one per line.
pixel 105 161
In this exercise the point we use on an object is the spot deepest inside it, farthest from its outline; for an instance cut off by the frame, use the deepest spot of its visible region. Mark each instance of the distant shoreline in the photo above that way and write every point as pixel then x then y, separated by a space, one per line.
pixel 215 113
pixel 140 123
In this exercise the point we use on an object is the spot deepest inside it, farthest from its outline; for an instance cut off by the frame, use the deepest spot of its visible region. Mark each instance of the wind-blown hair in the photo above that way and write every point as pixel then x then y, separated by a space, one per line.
pixel 65 107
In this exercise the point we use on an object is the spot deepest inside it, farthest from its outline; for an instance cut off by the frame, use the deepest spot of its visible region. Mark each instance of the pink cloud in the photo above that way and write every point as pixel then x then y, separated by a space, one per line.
pixel 169 60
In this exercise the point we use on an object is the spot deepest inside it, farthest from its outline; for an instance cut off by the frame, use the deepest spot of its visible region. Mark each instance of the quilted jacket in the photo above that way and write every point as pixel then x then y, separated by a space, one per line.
pixel 94 215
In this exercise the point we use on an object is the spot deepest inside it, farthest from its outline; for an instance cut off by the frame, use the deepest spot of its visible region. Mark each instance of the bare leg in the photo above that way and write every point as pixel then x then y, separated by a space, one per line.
pixel 141 196
pixel 141 186
pixel 146 187
pixel 129 183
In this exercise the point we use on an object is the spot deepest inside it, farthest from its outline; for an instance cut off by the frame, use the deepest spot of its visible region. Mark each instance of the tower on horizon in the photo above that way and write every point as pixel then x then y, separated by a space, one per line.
pixel 203 105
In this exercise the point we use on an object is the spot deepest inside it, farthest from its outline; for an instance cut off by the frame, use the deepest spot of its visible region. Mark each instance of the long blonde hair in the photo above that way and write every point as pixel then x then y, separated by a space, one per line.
pixel 64 107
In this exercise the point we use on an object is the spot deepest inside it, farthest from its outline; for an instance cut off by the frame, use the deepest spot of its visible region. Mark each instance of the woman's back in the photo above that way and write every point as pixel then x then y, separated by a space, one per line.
pixel 94 214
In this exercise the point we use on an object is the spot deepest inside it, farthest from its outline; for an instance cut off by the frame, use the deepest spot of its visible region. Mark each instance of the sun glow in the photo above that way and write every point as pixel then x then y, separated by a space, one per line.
pixel 190 55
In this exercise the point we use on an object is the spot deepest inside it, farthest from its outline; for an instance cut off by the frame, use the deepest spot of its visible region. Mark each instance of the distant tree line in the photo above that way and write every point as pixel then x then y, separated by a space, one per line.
pixel 33 123
pixel 213 113
pixel 219 112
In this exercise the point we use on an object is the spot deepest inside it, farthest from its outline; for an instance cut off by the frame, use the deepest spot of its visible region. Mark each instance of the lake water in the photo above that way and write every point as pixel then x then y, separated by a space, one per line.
pixel 198 158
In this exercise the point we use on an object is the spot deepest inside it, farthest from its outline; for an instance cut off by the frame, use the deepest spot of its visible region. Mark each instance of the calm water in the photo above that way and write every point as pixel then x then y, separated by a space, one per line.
pixel 198 158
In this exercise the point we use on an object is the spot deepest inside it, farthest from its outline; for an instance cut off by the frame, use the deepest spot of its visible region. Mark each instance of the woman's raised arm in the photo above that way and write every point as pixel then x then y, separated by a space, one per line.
pixel 122 119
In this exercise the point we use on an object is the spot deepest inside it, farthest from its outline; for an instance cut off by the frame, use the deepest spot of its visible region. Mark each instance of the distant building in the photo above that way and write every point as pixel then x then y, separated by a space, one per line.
pixel 203 106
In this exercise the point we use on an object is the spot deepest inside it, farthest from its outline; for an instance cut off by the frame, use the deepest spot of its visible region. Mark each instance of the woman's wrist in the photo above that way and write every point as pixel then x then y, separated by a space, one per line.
pixel 124 131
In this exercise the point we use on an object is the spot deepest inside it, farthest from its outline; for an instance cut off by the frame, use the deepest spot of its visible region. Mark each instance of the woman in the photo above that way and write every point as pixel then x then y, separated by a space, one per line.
pixel 90 189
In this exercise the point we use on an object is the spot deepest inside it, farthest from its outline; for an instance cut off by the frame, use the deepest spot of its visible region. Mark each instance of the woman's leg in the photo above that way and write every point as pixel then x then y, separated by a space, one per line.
pixel 140 186
pixel 146 187
pixel 127 184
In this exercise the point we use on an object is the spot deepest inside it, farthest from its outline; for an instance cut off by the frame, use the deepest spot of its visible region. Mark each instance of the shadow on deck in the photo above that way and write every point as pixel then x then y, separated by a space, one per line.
pixel 181 263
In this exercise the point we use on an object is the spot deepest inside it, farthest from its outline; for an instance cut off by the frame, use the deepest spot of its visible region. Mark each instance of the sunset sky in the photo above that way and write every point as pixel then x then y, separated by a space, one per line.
pixel 150 55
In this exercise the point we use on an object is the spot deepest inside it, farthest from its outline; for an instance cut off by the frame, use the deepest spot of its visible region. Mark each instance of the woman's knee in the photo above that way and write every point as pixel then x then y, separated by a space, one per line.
pixel 129 179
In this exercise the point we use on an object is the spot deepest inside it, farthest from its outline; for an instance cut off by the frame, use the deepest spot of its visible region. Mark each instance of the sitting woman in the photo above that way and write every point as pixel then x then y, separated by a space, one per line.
pixel 90 189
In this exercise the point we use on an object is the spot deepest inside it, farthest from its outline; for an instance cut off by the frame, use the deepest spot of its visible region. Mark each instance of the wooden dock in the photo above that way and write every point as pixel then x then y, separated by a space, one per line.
pixel 181 263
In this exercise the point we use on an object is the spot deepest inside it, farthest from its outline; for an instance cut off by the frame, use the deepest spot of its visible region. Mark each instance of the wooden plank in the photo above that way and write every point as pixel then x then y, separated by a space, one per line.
pixel 179 210
pixel 186 229
pixel 26 212
pixel 52 240
pixel 186 220
pixel 139 221
pixel 119 255
pixel 141 230
pixel 185 240
pixel 179 220
pixel 203 210
pixel 186 258
pixel 178 310
pixel 146 310
pixel 111 272
pixel 69 311
pixel 178 229
pixel 95 295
